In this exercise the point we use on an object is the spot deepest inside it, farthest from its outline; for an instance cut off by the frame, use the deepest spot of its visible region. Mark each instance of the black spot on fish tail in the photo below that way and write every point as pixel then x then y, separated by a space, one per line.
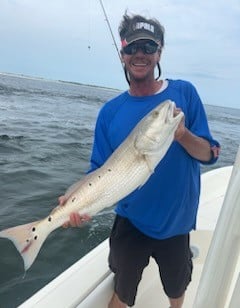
pixel 49 218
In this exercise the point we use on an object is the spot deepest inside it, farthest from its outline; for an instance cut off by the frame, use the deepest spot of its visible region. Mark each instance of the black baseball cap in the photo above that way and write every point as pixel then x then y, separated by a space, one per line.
pixel 143 30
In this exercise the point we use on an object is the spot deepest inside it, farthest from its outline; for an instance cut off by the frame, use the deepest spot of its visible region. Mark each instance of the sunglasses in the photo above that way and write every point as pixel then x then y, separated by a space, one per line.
pixel 148 48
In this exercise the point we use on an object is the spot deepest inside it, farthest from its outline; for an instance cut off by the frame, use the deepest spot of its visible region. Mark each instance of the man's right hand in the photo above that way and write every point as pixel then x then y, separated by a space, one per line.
pixel 75 219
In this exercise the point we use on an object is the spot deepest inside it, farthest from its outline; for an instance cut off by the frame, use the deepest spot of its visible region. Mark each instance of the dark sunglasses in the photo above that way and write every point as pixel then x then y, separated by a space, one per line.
pixel 148 48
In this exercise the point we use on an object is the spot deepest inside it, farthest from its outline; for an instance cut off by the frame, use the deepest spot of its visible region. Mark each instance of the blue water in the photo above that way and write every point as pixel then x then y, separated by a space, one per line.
pixel 46 134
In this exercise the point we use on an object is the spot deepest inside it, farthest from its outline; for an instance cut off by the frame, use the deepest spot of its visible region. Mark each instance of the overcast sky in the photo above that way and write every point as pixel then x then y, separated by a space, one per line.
pixel 70 40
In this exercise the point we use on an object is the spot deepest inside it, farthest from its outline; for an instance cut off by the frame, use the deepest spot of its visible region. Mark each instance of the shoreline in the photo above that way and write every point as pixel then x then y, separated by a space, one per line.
pixel 30 77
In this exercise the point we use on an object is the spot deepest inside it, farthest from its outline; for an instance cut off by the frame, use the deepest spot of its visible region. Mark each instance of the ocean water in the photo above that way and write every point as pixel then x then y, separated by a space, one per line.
pixel 46 134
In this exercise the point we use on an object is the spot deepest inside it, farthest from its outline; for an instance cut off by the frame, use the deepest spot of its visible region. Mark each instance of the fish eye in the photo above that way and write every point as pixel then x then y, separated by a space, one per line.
pixel 155 114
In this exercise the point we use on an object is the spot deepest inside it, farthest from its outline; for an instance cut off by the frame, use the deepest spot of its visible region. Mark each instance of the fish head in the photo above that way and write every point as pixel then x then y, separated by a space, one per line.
pixel 155 132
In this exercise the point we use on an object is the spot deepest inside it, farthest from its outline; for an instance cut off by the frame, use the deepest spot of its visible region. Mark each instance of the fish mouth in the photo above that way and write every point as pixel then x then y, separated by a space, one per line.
pixel 171 108
pixel 170 111
pixel 174 114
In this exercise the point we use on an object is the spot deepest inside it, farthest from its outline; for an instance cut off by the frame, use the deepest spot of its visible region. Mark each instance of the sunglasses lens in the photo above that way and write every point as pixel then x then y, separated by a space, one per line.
pixel 130 49
pixel 147 48
pixel 150 48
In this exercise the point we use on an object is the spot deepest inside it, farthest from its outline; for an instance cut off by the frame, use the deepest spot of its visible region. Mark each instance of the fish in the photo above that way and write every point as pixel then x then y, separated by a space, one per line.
pixel 127 169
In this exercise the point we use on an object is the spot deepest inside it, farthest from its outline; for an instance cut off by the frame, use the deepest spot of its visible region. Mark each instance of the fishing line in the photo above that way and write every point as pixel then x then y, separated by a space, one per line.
pixel 90 28
pixel 111 32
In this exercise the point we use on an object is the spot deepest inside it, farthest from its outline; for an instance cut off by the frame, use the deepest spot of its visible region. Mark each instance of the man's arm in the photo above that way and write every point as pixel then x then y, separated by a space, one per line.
pixel 197 147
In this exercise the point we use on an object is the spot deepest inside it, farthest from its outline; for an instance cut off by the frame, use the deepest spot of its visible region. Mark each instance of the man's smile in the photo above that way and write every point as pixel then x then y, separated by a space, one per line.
pixel 139 64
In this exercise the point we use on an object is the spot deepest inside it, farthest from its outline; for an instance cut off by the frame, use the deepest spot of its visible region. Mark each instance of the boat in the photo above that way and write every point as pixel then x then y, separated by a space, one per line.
pixel 215 245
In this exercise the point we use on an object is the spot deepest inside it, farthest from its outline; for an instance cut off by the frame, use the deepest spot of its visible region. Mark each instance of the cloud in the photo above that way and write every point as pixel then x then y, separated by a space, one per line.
pixel 70 40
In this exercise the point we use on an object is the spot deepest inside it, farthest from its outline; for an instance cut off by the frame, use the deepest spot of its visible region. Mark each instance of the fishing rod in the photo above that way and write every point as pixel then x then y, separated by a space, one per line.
pixel 111 32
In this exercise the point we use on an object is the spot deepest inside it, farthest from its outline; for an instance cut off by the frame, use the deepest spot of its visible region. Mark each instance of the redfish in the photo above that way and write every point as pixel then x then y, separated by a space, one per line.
pixel 128 168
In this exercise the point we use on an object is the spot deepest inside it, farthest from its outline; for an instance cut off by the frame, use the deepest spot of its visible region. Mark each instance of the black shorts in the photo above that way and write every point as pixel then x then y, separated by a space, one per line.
pixel 130 251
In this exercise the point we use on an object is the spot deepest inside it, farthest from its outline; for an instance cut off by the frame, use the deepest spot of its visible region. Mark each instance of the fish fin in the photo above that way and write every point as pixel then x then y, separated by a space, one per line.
pixel 27 239
pixel 144 182
pixel 150 168
pixel 75 186
pixel 150 162
pixel 72 188
pixel 54 210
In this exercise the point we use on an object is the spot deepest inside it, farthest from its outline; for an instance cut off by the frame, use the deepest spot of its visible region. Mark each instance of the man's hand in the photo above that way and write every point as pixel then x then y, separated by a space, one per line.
pixel 215 151
pixel 180 131
pixel 75 219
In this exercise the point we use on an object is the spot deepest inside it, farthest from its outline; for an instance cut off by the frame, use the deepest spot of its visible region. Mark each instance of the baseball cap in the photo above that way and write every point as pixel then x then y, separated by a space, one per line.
pixel 143 30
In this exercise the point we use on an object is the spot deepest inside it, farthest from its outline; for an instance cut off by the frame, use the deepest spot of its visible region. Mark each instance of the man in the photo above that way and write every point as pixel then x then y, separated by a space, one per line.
pixel 155 220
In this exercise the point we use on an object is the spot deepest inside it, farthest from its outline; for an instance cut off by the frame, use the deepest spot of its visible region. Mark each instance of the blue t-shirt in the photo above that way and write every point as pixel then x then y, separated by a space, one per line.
pixel 167 204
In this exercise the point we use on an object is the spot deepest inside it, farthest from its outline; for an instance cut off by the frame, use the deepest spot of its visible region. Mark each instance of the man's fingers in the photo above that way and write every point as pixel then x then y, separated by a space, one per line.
pixel 65 225
pixel 76 220
pixel 62 200
pixel 176 111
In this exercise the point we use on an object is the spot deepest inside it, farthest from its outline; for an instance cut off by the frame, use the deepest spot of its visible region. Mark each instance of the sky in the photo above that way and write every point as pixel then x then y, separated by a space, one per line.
pixel 70 40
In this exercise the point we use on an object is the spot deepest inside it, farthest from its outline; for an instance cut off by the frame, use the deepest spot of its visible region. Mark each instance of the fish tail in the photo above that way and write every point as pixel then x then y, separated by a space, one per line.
pixel 28 240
